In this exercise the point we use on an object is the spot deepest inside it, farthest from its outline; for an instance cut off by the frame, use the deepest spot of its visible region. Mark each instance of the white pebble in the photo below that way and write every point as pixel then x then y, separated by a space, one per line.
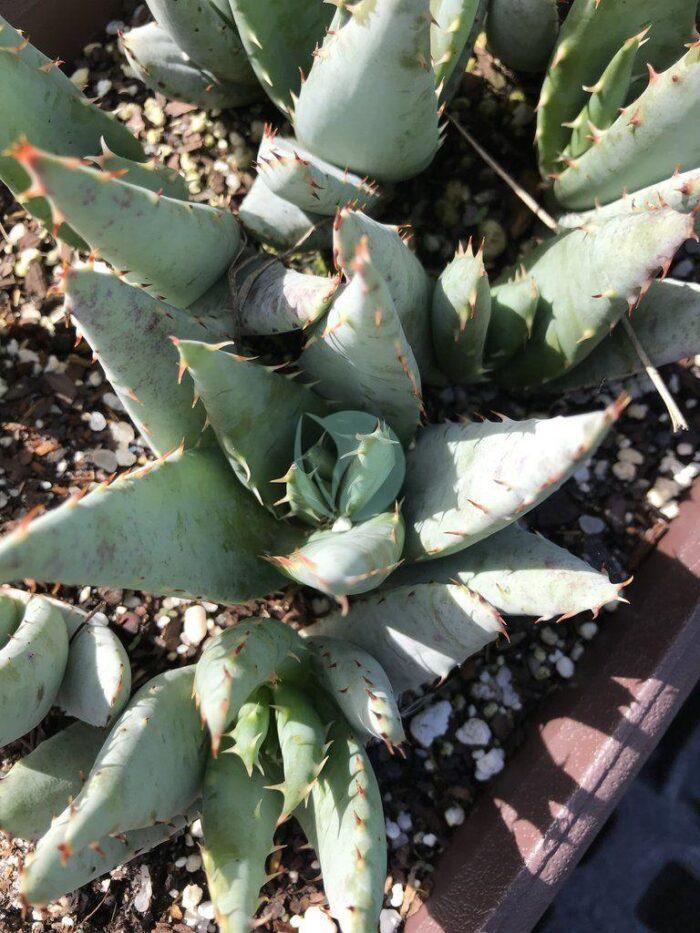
pixel 630 455
pixel 316 920
pixel 194 862
pixel 638 411
pixel 103 458
pixel 206 911
pixel 588 630
pixel 122 432
pixel 80 77
pixel 429 840
pixel 404 820
pixel 548 635
pixel 431 723
pixel 685 476
pixel 591 524
pixel 96 421
pixel 565 667
pixel 624 471
pixel 124 457
pixel 389 921
pixel 142 900
pixel 396 899
pixel 685 449
pixel 113 401
pixel 474 732
pixel 195 625
pixel 393 831
pixel 454 816
pixel 104 86
pixel 670 510
pixel 489 764
pixel 662 492
pixel 191 896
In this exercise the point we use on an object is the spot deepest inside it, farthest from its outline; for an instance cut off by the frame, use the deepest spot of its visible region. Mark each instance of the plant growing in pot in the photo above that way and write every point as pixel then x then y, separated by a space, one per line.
pixel 341 475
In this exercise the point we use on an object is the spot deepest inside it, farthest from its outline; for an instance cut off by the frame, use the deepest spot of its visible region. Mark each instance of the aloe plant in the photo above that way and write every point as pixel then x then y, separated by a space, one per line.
pixel 619 103
pixel 322 472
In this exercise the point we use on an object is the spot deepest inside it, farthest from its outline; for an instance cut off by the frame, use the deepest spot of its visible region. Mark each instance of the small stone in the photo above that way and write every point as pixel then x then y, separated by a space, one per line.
pixel 80 77
pixel 104 459
pixel 663 491
pixel 389 921
pixel 405 822
pixel 494 237
pixel 122 432
pixel 454 816
pixel 396 898
pixel 577 651
pixel 685 450
pixel 591 525
pixel 316 920
pixel 206 911
pixel 194 862
pixel 549 636
pixel 144 893
pixel 431 723
pixel 630 455
pixel 191 896
pixel 97 421
pixel 393 831
pixel 429 840
pixel 638 411
pixel 104 86
pixel 194 626
pixel 670 510
pixel 624 470
pixel 124 457
pixel 565 667
pixel 686 475
pixel 474 732
pixel 113 401
pixel 588 630
pixel 490 764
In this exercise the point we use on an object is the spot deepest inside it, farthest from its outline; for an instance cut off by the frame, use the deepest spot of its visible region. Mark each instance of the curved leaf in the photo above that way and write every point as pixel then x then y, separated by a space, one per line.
pixel 347 562
pixel 32 663
pixel 297 175
pixel 158 61
pixel 42 784
pixel 417 633
pixel 124 222
pixel 369 103
pixel 207 34
pixel 271 299
pixel 237 662
pixel 408 283
pixel 128 332
pixel 467 481
pixel 518 573
pixel 280 37
pixel 97 681
pixel 344 821
pixel 148 770
pixel 239 816
pixel 253 411
pixel 142 531
pixel 251 728
pixel 47 875
pixel 582 294
pixel 279 223
pixel 361 358
pixel 302 740
pixel 667 323
pixel 360 687
pixel 522 33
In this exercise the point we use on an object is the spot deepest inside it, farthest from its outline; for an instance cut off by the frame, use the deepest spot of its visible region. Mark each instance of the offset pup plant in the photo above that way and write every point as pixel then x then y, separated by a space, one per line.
pixel 323 472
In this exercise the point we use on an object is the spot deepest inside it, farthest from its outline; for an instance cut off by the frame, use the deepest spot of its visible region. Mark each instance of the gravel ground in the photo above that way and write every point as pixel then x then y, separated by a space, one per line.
pixel 63 429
